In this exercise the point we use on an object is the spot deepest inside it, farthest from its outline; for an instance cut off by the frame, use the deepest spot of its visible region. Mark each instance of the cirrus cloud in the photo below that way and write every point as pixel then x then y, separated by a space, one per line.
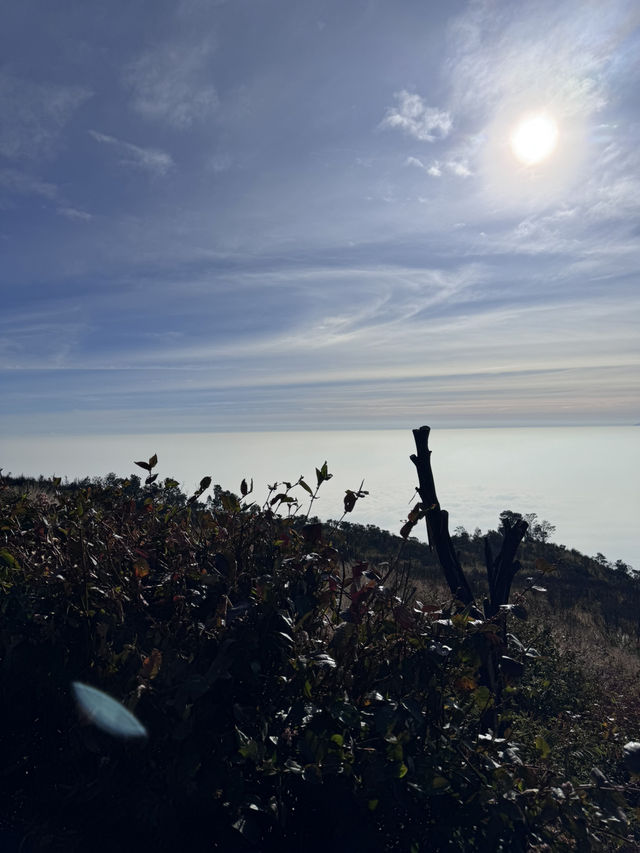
pixel 148 159
pixel 170 84
pixel 34 115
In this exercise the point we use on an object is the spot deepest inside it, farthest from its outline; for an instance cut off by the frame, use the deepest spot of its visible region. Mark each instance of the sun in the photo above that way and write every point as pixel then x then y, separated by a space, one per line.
pixel 534 139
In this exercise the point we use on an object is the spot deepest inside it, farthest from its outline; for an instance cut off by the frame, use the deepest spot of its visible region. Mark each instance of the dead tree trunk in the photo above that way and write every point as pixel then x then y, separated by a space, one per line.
pixel 438 521
pixel 501 570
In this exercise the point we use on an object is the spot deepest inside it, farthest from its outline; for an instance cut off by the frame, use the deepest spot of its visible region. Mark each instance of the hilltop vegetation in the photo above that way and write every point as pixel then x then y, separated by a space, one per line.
pixel 606 594
pixel 305 685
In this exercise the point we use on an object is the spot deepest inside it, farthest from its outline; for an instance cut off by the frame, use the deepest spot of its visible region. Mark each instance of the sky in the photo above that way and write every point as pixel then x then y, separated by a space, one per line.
pixel 274 215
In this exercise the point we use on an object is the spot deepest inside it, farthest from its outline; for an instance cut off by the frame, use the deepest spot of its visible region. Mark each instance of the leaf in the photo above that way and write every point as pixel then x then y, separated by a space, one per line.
pixel 248 747
pixel 141 568
pixel 244 489
pixel 106 713
pixel 153 461
pixel 249 829
pixel 631 756
pixel 520 612
pixel 542 746
pixel 537 588
pixel 151 479
pixel 170 484
pixel 144 465
pixel 349 500
pixel 322 474
pixel 323 660
pixel 305 486
pixel 516 642
pixel 483 697
pixel 281 498
pixel 205 482
pixel 8 559
pixel 151 665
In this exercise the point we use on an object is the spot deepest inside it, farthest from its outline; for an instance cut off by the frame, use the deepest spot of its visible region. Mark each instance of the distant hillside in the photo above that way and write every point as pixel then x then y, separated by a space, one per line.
pixel 611 593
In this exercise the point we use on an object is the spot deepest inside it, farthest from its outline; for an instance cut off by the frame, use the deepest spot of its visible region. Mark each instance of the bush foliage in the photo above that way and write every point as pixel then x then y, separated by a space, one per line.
pixel 298 692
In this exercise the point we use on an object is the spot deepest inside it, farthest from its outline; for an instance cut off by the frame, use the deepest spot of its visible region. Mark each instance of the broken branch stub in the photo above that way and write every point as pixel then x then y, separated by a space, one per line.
pixel 501 569
pixel 437 520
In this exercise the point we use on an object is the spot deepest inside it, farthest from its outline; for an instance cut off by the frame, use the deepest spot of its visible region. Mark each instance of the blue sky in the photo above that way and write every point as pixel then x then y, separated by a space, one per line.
pixel 282 215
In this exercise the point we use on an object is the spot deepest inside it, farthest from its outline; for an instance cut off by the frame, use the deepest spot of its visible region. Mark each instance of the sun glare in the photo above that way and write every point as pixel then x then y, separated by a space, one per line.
pixel 534 139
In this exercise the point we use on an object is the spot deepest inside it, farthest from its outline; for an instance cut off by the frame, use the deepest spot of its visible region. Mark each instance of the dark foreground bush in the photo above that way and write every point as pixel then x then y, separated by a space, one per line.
pixel 293 701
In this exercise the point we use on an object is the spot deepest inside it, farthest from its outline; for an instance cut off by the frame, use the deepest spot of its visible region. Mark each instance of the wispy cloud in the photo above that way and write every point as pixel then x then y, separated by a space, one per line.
pixel 149 159
pixel 414 117
pixel 459 168
pixel 171 83
pixel 221 162
pixel 74 214
pixel 47 337
pixel 15 182
pixel 497 56
pixel 34 115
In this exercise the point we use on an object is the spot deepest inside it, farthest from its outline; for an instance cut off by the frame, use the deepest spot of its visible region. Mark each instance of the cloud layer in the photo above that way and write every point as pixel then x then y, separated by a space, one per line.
pixel 240 217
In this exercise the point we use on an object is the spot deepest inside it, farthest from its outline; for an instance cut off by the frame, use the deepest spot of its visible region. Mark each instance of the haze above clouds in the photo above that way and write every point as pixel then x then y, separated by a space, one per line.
pixel 275 215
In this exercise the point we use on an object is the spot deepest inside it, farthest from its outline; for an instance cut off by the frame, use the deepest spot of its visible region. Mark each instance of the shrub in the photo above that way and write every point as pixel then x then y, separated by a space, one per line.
pixel 295 699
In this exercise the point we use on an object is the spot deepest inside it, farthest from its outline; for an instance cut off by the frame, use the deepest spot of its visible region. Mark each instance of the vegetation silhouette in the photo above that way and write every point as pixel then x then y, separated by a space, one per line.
pixel 306 684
